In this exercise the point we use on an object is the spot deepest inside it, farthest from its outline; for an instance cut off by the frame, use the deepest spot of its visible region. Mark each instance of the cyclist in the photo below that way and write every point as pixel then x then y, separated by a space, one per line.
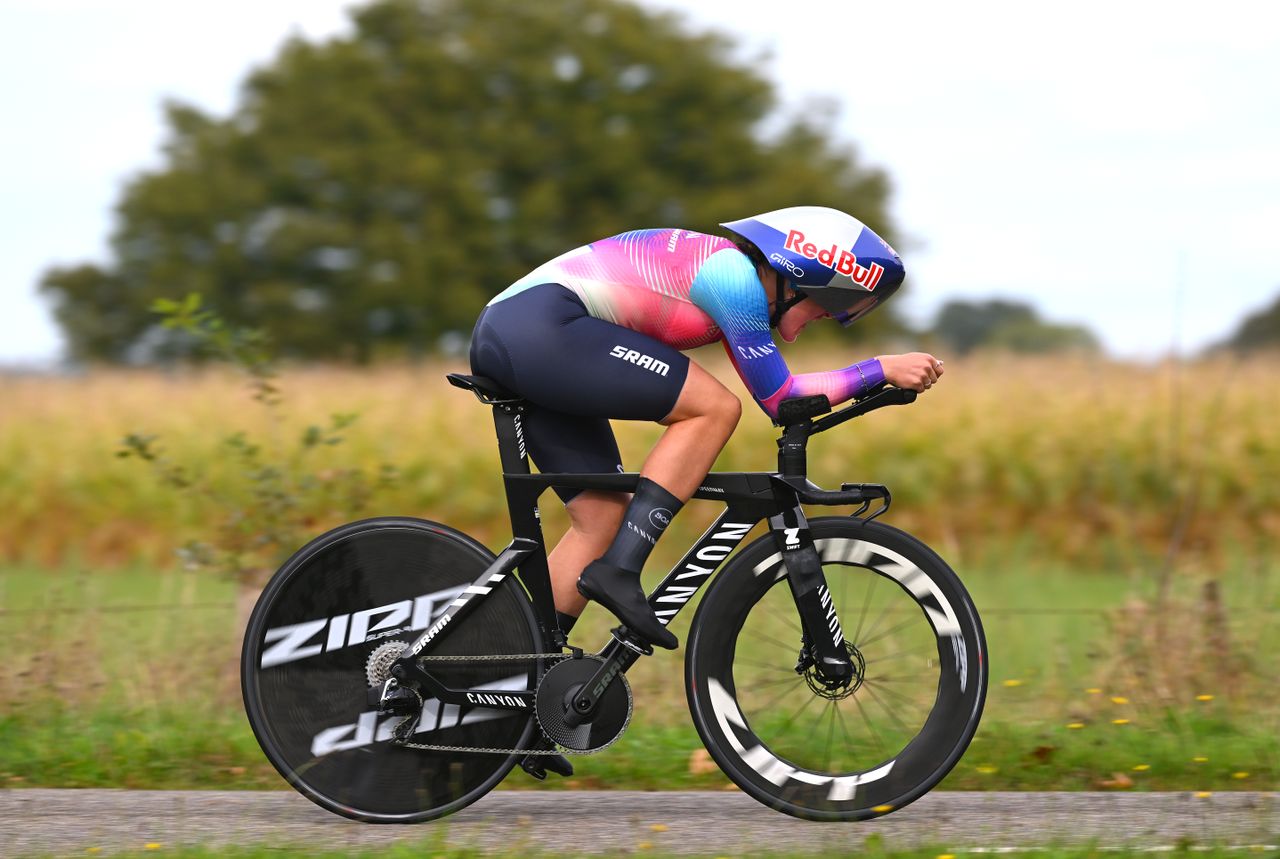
pixel 598 333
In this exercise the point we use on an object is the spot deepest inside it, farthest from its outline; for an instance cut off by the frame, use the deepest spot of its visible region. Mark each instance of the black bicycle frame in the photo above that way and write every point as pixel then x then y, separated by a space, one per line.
pixel 749 497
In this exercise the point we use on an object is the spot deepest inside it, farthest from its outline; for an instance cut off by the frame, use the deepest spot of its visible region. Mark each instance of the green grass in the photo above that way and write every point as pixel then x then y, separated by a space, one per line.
pixel 102 687
pixel 194 750
pixel 873 848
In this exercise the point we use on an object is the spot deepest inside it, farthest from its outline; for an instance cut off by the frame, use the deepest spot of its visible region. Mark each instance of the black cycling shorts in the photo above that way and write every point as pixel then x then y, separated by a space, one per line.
pixel 576 371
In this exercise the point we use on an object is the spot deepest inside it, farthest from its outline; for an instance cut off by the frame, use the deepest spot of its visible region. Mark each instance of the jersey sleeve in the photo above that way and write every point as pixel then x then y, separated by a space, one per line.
pixel 728 290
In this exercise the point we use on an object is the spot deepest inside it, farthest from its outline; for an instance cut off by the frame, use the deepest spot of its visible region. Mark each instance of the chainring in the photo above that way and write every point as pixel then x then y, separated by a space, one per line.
pixel 561 684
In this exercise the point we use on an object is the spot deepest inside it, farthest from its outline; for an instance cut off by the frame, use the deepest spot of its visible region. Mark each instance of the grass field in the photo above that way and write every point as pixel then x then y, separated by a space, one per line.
pixel 1089 461
pixel 1116 524
pixel 136 689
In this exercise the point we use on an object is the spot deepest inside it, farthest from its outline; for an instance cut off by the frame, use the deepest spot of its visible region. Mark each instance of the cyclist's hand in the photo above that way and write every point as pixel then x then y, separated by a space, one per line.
pixel 918 371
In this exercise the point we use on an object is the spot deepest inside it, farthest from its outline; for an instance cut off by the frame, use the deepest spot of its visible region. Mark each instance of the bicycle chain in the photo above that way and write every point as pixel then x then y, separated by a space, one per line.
pixel 555 750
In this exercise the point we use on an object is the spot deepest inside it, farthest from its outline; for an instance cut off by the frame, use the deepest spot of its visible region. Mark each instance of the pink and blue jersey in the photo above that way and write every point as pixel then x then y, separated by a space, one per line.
pixel 687 289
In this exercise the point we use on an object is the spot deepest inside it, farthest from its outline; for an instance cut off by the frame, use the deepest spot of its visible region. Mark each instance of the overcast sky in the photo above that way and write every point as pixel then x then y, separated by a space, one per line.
pixel 1115 164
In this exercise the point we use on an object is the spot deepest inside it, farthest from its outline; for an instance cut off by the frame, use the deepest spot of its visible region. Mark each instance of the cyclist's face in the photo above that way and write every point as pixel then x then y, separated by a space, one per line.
pixel 795 319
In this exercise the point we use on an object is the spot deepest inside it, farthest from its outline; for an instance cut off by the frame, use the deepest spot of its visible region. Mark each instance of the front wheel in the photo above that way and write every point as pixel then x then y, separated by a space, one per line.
pixel 823 752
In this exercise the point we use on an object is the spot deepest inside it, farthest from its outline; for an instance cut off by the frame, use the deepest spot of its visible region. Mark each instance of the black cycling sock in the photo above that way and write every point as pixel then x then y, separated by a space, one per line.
pixel 566 621
pixel 647 516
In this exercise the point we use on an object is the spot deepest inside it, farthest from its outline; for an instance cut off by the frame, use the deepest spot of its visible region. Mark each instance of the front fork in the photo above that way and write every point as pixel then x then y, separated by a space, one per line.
pixel 824 646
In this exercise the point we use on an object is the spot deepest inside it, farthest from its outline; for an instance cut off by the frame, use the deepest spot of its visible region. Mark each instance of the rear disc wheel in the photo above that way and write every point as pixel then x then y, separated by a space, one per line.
pixel 306 657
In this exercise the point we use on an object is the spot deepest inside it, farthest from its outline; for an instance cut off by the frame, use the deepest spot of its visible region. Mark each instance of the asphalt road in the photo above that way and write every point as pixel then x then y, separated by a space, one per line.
pixel 68 822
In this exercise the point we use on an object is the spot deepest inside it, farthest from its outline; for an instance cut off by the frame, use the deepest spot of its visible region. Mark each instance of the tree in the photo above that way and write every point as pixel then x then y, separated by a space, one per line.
pixel 1258 330
pixel 968 325
pixel 380 188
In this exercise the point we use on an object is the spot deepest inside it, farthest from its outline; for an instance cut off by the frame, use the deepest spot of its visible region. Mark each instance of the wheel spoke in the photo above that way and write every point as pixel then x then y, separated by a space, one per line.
pixel 793 716
pixel 866 602
pixel 870 727
pixel 892 714
pixel 914 651
pixel 789 621
pixel 890 631
pixel 894 693
pixel 900 678
pixel 831 728
pixel 764 684
pixel 890 711
pixel 794 648
pixel 770 666
pixel 844 729
pixel 767 707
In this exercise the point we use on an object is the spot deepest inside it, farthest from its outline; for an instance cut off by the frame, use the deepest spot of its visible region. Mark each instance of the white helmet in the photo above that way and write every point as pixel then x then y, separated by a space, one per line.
pixel 828 256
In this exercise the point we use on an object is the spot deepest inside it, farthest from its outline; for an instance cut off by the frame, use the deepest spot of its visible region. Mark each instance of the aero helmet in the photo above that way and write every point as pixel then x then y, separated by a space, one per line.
pixel 828 256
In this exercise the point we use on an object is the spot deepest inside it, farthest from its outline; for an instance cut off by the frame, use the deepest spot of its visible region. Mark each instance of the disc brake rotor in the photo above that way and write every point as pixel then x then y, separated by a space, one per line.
pixel 555 693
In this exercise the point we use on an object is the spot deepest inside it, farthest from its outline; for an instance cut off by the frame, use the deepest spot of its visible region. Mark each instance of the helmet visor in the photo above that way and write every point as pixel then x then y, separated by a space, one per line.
pixel 860 308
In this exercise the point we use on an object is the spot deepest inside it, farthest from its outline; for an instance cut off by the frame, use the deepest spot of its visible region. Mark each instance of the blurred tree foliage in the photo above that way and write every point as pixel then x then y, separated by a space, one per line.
pixel 968 325
pixel 1260 330
pixel 376 190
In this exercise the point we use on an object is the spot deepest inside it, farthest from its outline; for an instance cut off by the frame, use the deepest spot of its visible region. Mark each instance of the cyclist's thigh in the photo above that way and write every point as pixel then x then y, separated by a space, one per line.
pixel 544 345
pixel 533 343
pixel 570 444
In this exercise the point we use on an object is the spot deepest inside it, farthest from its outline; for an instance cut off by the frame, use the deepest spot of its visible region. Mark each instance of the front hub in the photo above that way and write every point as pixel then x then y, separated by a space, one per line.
pixel 838 683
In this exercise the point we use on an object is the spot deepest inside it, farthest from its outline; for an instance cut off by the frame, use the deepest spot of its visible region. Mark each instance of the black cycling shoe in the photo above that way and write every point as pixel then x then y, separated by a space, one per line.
pixel 619 591
pixel 538 765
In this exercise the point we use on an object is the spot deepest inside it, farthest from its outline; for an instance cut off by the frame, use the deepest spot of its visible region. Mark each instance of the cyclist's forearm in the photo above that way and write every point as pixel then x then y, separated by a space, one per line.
pixel 838 385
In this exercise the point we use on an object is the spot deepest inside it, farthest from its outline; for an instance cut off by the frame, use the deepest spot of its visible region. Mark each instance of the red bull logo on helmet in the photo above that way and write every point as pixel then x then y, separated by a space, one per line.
pixel 840 261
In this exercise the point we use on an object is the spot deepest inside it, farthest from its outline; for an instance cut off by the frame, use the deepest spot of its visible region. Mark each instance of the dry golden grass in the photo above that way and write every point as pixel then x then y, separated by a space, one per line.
pixel 1083 458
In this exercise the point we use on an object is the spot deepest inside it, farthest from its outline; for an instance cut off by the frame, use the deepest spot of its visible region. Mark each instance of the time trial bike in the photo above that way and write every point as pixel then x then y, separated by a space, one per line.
pixel 394 670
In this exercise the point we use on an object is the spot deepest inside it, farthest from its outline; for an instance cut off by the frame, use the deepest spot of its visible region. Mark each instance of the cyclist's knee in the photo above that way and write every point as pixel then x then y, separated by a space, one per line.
pixel 722 409
pixel 731 410
pixel 703 396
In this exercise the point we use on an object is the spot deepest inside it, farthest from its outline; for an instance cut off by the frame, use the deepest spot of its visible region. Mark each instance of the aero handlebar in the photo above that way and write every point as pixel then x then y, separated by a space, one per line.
pixel 800 410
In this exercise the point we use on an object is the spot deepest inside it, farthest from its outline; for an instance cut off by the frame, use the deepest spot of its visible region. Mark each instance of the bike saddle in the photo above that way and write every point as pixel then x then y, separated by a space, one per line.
pixel 486 390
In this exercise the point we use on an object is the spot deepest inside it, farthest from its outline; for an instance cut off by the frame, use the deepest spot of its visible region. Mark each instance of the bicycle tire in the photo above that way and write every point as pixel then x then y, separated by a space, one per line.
pixel 303 670
pixel 861 551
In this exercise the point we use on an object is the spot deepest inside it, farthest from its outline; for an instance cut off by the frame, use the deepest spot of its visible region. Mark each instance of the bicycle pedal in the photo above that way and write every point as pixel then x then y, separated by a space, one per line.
pixel 539 765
